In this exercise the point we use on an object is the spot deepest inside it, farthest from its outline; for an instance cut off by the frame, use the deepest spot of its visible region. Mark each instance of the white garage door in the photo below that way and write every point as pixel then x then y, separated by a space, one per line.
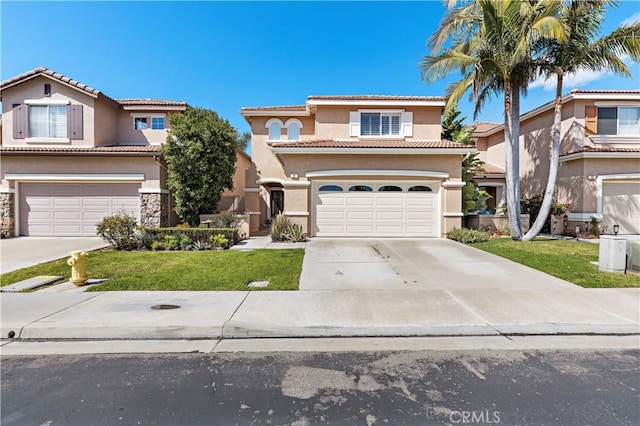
pixel 621 206
pixel 376 208
pixel 68 209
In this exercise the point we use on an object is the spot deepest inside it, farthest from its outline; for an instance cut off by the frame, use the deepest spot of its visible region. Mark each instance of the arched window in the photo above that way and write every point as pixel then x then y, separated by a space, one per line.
pixel 330 188
pixel 390 188
pixel 420 188
pixel 275 130
pixel 293 132
pixel 363 188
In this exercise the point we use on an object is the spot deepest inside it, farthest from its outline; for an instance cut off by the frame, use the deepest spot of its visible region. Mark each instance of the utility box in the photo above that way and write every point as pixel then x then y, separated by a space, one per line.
pixel 613 254
pixel 634 255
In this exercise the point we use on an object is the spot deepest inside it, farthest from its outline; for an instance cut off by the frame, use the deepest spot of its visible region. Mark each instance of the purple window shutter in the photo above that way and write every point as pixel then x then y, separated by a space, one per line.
pixel 74 122
pixel 20 121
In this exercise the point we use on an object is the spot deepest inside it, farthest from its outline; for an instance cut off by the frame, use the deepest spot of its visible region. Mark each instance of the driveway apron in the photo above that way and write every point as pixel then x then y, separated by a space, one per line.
pixel 413 264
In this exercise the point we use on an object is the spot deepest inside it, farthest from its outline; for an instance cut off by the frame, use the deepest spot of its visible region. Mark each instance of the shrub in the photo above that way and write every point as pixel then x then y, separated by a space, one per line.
pixel 467 236
pixel 279 226
pixel 182 225
pixel 195 234
pixel 220 241
pixel 184 241
pixel 201 245
pixel 119 230
pixel 171 242
pixel 157 245
pixel 294 233
pixel 225 220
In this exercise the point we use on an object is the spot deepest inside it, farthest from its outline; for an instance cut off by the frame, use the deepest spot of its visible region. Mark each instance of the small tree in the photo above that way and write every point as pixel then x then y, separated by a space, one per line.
pixel 473 199
pixel 201 157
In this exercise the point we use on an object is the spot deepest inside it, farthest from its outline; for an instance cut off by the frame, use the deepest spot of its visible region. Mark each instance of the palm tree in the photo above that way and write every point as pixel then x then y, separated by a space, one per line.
pixel 581 50
pixel 492 45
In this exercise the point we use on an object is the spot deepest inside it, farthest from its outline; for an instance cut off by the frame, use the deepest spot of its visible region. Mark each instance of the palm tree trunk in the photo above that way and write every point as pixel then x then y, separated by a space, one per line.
pixel 545 208
pixel 512 202
pixel 515 137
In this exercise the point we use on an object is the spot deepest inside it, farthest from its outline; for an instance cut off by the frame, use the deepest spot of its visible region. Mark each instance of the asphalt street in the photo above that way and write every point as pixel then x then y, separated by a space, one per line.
pixel 534 387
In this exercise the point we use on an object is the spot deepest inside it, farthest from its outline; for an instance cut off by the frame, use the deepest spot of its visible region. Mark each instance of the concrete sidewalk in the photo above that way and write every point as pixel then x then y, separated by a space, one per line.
pixel 381 313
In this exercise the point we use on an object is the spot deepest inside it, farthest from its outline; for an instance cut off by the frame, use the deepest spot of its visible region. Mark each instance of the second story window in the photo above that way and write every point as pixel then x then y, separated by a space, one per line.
pixel 275 130
pixel 380 124
pixel 293 132
pixel 47 121
pixel 621 121
pixel 140 123
pixel 157 123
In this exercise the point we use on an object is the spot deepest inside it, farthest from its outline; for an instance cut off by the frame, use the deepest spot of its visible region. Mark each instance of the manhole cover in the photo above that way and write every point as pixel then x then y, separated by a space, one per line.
pixel 163 307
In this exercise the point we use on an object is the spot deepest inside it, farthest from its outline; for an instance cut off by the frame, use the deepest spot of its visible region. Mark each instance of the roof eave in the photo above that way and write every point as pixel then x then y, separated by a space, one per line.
pixel 603 154
pixel 372 151
pixel 375 102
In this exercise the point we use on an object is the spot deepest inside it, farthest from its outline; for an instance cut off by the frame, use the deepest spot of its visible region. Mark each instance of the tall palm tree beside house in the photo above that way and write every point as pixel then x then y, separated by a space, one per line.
pixel 491 43
pixel 581 50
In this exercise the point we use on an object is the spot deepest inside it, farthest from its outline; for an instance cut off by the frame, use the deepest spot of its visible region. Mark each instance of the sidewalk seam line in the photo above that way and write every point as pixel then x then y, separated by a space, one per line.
pixel 473 311
pixel 56 312
pixel 231 317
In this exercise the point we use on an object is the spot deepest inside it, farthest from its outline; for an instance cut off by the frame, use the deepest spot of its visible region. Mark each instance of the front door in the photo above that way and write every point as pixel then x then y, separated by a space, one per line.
pixel 277 202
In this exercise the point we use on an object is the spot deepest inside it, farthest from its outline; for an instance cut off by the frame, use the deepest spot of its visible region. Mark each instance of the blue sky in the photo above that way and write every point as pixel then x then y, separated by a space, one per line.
pixel 226 55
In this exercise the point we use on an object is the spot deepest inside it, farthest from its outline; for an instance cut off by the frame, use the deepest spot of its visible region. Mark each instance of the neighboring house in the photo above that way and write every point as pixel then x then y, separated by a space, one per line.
pixel 356 166
pixel 72 155
pixel 599 173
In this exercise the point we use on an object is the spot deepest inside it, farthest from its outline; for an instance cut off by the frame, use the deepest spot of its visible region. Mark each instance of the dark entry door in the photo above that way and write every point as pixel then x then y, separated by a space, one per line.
pixel 277 202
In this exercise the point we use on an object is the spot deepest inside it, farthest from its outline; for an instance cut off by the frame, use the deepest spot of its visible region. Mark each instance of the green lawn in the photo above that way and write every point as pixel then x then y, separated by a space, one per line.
pixel 180 270
pixel 568 260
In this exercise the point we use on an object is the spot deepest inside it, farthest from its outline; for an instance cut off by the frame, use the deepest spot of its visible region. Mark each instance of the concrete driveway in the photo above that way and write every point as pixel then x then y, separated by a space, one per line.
pixel 413 264
pixel 17 253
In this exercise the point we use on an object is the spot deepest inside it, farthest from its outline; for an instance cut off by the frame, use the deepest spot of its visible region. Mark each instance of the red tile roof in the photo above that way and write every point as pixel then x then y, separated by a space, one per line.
pixel 374 143
pixel 492 169
pixel 601 149
pixel 88 89
pixel 117 149
pixel 375 98
pixel 45 71
pixel 276 108
pixel 483 127
pixel 153 102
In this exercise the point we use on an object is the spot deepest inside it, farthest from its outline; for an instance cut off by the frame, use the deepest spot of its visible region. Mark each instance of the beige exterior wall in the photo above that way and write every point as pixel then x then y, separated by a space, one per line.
pixel 332 122
pixel 127 135
pixel 575 187
pixel 105 130
pixel 243 163
pixel 34 89
pixel 80 165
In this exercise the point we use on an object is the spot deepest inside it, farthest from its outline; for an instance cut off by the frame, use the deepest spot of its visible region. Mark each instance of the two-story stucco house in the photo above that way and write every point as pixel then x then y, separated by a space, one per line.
pixel 72 155
pixel 356 166
pixel 599 173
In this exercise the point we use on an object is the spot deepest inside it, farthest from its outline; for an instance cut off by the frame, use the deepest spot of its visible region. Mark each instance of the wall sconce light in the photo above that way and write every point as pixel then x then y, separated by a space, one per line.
pixel 616 229
pixel 294 176
pixel 553 230
pixel 586 227
pixel 577 231
pixel 565 224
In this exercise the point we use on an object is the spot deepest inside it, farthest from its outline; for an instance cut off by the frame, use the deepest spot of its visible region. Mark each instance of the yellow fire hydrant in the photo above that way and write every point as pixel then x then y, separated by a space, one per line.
pixel 78 263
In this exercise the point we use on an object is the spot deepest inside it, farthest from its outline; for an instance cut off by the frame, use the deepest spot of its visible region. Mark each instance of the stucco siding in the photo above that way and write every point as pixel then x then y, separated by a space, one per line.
pixel 106 117
pixel 82 166
pixel 127 135
pixel 34 89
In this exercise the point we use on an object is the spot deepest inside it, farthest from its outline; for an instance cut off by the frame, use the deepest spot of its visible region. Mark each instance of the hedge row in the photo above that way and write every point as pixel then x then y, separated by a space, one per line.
pixel 195 234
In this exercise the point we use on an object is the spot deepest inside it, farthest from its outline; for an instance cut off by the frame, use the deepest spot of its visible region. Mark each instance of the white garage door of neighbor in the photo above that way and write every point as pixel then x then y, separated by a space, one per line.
pixel 70 209
pixel 621 206
pixel 376 209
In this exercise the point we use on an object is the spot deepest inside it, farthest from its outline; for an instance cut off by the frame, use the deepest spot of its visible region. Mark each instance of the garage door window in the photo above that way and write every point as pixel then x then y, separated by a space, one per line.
pixel 330 188
pixel 420 188
pixel 390 188
pixel 362 188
